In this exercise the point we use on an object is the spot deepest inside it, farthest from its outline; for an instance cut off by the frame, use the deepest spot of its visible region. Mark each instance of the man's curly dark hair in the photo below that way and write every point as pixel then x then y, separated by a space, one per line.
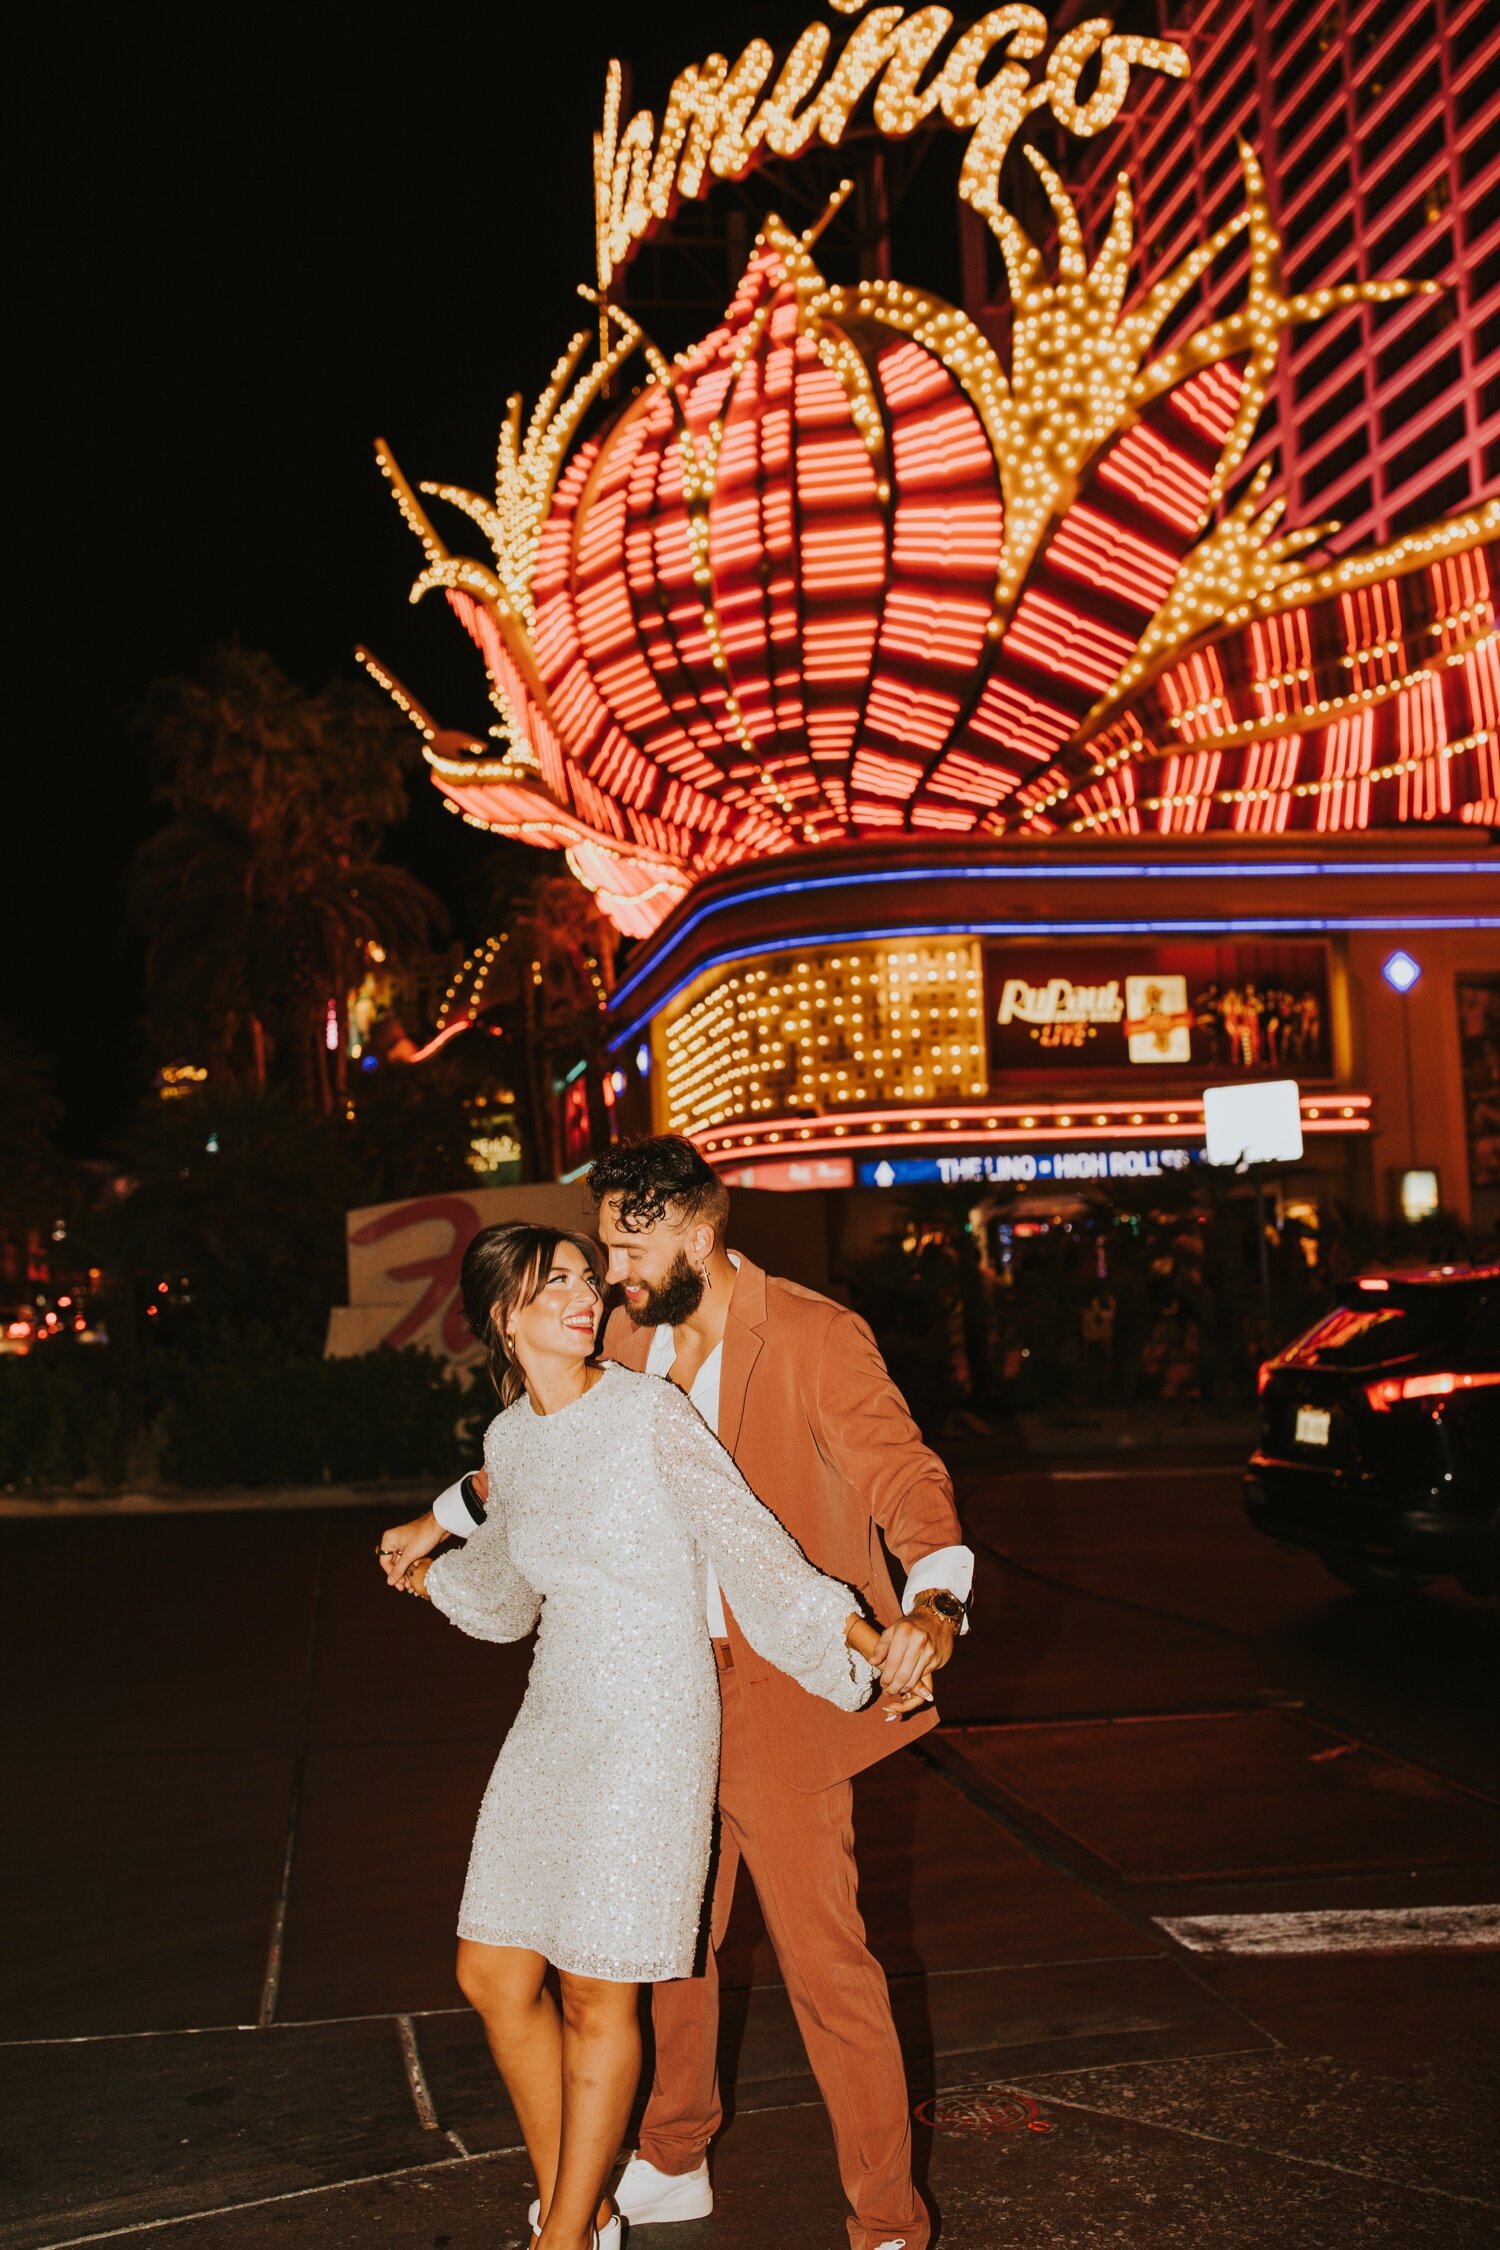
pixel 655 1175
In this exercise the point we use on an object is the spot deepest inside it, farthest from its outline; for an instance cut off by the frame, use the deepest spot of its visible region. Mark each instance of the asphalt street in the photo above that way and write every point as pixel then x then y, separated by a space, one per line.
pixel 1183 1908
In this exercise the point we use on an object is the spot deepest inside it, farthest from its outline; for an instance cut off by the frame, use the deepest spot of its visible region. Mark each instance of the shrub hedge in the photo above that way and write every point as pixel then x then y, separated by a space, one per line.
pixel 62 1427
pixel 295 1421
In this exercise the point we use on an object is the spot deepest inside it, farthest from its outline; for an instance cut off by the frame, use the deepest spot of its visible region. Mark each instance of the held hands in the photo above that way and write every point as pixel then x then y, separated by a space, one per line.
pixel 406 1545
pixel 905 1689
pixel 906 1655
pixel 909 1653
pixel 402 1549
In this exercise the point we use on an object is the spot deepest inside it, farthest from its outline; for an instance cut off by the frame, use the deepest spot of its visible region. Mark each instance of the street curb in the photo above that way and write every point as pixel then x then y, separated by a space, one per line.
pixel 1121 1432
pixel 249 1500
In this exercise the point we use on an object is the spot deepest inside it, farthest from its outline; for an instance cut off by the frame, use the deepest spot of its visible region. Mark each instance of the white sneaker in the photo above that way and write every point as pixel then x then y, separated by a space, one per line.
pixel 898 2244
pixel 650 2198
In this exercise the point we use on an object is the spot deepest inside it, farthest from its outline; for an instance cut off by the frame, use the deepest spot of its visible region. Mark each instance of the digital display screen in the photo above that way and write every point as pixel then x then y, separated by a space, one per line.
pixel 1221 1009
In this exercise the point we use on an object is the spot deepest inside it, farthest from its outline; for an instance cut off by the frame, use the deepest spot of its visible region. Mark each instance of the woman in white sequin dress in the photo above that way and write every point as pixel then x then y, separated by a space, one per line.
pixel 607 1497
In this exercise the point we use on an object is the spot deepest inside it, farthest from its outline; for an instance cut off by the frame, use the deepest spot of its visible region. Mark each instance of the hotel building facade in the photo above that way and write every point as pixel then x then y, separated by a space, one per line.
pixel 965 708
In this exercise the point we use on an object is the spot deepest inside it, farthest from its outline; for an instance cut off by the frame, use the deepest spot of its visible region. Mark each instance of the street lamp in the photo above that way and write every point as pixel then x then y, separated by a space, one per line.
pixel 1401 973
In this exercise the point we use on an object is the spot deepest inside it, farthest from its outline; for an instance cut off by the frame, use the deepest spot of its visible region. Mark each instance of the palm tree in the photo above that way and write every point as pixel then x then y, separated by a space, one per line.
pixel 552 980
pixel 259 894
pixel 241 1196
pixel 34 1179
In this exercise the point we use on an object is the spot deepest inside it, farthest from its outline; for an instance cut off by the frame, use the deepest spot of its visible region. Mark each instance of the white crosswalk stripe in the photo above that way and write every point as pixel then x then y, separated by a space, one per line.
pixel 1387 1929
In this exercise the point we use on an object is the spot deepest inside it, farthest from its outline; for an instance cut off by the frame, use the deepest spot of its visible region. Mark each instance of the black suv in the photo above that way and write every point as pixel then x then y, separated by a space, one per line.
pixel 1380 1433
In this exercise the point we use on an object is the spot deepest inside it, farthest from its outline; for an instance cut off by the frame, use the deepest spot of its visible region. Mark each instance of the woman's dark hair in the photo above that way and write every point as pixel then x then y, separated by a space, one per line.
pixel 656 1175
pixel 504 1268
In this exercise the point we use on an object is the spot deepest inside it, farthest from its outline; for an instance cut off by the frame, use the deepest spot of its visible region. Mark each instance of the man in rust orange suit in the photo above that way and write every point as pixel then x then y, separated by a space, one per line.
pixel 797 1392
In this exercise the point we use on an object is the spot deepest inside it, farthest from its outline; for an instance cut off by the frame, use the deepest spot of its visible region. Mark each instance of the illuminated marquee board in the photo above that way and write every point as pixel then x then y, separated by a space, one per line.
pixel 1258 1009
pixel 825 1028
pixel 829 1031
pixel 847 570
pixel 1027 1167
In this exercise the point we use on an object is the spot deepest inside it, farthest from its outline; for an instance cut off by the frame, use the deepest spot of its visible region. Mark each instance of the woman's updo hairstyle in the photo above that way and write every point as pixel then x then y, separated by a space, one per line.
pixel 503 1270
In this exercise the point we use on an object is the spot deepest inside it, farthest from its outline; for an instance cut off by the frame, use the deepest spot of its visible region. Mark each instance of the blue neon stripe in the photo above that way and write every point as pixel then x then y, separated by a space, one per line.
pixel 1152 871
pixel 1260 925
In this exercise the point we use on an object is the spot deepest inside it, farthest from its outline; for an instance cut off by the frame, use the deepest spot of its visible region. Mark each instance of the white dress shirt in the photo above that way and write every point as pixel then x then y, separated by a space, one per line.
pixel 705 1396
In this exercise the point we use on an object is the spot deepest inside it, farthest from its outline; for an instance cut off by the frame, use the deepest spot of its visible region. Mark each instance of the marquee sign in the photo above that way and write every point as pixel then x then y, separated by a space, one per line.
pixel 1027 1167
pixel 1262 1010
pixel 719 120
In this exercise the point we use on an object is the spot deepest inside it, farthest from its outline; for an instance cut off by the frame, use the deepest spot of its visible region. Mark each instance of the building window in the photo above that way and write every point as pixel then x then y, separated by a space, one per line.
pixel 1332 250
pixel 1420 328
pixel 1335 345
pixel 1392 63
pixel 1349 505
pixel 1234 107
pixel 1389 170
pixel 1473 98
pixel 1324 90
pixel 1440 499
pixel 1429 385
pixel 1386 251
pixel 1413 458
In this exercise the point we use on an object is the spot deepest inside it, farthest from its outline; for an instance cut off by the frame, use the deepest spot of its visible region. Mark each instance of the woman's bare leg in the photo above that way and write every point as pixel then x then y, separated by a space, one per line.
pixel 506 1986
pixel 601 2068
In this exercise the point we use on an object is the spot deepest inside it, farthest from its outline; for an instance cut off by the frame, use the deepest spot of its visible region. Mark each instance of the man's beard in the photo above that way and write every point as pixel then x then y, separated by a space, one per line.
pixel 673 1299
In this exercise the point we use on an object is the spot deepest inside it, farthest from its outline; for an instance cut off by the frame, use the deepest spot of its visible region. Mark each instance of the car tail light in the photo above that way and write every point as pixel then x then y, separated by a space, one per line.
pixel 1395 1390
pixel 1263 1374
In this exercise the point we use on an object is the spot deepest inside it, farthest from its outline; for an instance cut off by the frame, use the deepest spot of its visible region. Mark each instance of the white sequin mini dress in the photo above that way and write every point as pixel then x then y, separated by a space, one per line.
pixel 593 1838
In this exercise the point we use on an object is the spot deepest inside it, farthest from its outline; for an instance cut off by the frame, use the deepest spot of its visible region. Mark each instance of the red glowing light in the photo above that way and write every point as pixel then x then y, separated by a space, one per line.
pixel 1398 1390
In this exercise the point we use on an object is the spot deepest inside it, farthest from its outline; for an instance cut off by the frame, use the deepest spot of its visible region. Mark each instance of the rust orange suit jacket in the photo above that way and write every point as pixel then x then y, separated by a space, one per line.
pixel 822 1436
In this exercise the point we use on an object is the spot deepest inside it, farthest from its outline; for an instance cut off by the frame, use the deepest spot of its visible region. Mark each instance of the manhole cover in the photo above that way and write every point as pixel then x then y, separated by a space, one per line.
pixel 982 2112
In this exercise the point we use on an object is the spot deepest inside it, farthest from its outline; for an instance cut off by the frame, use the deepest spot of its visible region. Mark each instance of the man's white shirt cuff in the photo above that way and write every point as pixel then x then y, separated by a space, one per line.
pixel 947 1570
pixel 451 1510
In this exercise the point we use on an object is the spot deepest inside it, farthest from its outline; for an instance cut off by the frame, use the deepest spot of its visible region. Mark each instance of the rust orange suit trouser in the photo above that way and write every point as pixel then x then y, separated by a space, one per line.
pixel 798 1847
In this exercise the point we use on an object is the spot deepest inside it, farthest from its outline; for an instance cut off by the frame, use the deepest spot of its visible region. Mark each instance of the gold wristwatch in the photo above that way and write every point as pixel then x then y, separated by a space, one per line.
pixel 946 1606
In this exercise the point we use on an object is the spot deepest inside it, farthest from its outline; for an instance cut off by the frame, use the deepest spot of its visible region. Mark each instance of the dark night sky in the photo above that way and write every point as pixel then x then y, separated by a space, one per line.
pixel 251 242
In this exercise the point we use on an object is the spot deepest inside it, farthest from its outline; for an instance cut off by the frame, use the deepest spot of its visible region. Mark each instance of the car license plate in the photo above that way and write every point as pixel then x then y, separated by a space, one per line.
pixel 1312 1425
